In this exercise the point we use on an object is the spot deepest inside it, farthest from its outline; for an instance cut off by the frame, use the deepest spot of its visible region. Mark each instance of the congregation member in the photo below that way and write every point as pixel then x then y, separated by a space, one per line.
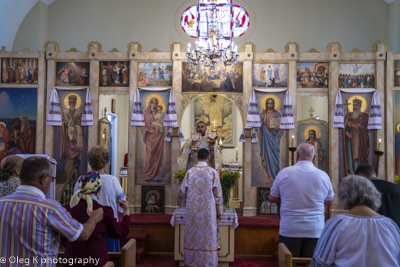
pixel 390 193
pixel 302 190
pixel 31 225
pixel 202 189
pixel 81 205
pixel 98 158
pixel 360 237
pixel 9 172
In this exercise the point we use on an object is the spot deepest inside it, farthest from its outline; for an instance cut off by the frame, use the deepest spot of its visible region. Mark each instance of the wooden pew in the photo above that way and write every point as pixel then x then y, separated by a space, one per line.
pixel 125 258
pixel 286 259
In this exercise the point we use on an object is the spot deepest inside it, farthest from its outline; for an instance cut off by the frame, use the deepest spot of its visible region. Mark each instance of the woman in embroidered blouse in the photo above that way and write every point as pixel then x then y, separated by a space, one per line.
pixel 360 237
pixel 9 172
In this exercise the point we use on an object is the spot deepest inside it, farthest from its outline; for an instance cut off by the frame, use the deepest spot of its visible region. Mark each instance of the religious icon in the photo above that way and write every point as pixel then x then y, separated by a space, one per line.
pixel 268 159
pixel 17 121
pixel 210 79
pixel 152 200
pixel 312 74
pixel 105 130
pixel 358 75
pixel 72 73
pixel 19 70
pixel 114 73
pixel 70 142
pixel 155 74
pixel 217 113
pixel 264 206
pixel 396 74
pixel 357 145
pixel 270 74
pixel 314 132
pixel 153 159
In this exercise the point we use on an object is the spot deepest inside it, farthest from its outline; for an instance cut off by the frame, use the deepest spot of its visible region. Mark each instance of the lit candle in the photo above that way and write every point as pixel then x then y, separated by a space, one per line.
pixel 379 144
pixel 237 150
pixel 292 140
pixel 220 141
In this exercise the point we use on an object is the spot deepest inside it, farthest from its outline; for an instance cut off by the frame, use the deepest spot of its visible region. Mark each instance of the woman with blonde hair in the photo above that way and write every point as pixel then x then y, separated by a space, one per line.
pixel 98 158
pixel 9 172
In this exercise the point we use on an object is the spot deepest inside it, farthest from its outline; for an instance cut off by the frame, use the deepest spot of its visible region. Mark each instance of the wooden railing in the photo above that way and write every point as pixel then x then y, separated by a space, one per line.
pixel 68 187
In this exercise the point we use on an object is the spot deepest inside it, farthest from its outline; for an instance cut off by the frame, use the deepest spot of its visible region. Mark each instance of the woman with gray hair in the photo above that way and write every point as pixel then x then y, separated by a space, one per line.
pixel 360 237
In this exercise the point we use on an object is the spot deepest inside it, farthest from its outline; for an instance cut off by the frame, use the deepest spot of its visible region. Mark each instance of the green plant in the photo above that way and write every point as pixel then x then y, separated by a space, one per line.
pixel 179 175
pixel 228 181
pixel 397 180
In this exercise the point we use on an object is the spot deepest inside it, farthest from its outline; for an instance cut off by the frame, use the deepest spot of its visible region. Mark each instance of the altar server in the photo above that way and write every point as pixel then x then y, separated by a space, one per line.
pixel 202 189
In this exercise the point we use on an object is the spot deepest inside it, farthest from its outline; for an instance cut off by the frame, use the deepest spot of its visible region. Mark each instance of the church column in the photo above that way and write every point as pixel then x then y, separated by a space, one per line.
pixel 49 142
pixel 173 193
pixel 292 86
pixel 388 105
pixel 132 196
pixel 249 192
pixel 380 57
pixel 94 95
pixel 334 158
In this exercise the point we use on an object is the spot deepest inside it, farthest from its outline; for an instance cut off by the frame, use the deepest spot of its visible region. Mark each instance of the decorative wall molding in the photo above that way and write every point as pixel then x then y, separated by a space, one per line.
pixel 270 50
pixel 51 45
pixel 375 46
pixel 155 50
pixel 25 50
pixel 253 46
pixel 334 47
pixel 130 46
pixel 356 50
pixel 313 50
pixel 287 46
pixel 94 47
pixel 73 49
pixel 171 47
pixel 114 50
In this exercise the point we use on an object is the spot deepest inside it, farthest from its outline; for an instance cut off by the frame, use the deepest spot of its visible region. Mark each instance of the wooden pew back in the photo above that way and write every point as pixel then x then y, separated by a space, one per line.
pixel 286 259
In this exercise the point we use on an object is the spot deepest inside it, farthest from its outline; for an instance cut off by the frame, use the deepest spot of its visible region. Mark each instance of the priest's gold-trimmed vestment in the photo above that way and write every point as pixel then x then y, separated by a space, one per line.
pixel 203 191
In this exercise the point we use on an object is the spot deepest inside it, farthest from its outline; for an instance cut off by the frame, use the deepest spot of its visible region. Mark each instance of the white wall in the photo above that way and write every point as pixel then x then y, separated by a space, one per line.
pixel 34 30
pixel 310 23
pixel 122 111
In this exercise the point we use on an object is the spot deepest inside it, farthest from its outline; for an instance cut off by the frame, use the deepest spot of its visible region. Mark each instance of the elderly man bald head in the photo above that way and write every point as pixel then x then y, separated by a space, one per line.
pixel 302 190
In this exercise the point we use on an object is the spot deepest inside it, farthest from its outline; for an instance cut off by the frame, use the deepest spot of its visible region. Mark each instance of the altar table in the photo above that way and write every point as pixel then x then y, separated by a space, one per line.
pixel 226 230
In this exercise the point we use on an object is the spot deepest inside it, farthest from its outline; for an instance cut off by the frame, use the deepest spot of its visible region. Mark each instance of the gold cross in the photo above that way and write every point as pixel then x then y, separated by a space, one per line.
pixel 311 110
pixel 347 105
pixel 214 122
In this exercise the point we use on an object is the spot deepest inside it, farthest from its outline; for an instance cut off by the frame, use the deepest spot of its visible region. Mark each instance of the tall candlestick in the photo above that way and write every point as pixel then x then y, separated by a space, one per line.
pixel 292 140
pixel 379 144
pixel 237 151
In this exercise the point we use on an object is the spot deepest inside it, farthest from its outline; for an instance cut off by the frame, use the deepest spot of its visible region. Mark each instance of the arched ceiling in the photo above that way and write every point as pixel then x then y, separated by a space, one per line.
pixel 12 14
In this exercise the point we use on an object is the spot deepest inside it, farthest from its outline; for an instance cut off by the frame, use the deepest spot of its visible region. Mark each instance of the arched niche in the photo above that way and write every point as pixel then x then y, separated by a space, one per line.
pixel 227 114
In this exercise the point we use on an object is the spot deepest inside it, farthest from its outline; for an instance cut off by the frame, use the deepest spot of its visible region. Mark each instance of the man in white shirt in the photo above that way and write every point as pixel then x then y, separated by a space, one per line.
pixel 302 190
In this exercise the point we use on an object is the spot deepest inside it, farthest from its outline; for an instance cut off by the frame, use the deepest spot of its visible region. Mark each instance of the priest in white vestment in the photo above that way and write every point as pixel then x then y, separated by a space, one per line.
pixel 202 189
pixel 188 157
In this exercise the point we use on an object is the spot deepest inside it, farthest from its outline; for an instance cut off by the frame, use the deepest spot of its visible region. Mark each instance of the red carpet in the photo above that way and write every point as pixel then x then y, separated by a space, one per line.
pixel 256 221
pixel 168 261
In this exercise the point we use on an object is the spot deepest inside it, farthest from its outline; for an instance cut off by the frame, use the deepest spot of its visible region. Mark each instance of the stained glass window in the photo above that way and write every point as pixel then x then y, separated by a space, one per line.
pixel 217 13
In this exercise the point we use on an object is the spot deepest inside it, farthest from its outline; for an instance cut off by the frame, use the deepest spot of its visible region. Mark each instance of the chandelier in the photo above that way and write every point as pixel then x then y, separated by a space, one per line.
pixel 214 44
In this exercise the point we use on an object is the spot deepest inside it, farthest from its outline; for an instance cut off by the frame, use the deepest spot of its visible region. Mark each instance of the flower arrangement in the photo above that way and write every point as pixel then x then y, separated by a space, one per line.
pixel 179 175
pixel 397 180
pixel 228 181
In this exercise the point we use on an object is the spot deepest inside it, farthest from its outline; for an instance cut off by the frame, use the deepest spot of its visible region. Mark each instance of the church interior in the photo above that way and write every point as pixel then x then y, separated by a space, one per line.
pixel 128 76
